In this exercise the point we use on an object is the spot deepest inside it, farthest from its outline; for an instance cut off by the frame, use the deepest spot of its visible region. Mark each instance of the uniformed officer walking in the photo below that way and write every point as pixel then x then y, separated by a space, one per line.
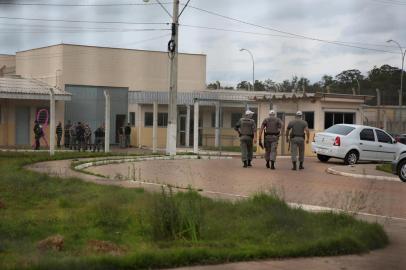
pixel 295 134
pixel 272 127
pixel 246 129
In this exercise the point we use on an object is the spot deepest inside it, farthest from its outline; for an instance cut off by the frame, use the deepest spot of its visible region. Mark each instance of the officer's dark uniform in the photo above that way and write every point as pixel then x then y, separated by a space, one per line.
pixel 98 139
pixel 80 136
pixel 272 126
pixel 38 133
pixel 67 135
pixel 59 132
pixel 246 128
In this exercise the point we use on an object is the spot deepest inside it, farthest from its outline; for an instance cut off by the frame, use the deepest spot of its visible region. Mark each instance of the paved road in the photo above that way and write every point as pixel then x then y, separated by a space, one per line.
pixel 311 186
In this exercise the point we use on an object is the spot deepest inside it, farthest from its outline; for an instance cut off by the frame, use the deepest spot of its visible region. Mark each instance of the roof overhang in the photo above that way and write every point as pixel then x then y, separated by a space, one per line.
pixel 9 95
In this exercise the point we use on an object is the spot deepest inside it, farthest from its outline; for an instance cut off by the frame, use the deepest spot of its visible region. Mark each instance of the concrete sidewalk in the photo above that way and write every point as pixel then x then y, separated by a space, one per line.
pixel 367 171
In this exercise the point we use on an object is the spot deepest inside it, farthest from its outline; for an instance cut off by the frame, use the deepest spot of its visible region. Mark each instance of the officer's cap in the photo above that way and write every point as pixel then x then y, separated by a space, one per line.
pixel 271 112
pixel 248 112
pixel 299 113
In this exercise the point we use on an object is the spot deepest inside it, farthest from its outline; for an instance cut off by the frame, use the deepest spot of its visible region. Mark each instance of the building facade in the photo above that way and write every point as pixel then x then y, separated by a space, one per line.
pixel 138 81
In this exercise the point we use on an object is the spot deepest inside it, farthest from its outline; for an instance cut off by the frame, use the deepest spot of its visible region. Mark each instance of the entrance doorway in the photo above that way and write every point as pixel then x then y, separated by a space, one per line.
pixel 22 136
pixel 182 130
pixel 120 122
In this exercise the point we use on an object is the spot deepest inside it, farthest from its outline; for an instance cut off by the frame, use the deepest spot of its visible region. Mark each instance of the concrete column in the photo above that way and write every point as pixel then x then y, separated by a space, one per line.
pixel 52 123
pixel 196 128
pixel 138 115
pixel 217 126
pixel 107 122
pixel 187 126
pixel 155 128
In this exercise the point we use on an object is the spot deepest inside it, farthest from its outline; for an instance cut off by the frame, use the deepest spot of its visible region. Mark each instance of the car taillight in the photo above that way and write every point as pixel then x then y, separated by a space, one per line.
pixel 337 141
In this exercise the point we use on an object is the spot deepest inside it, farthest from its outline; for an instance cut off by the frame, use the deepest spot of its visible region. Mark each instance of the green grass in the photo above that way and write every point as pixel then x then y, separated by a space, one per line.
pixel 157 230
pixel 384 167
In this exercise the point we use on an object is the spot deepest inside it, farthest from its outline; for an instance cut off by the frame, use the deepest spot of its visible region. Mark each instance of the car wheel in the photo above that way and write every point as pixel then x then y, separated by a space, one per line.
pixel 323 158
pixel 402 170
pixel 351 158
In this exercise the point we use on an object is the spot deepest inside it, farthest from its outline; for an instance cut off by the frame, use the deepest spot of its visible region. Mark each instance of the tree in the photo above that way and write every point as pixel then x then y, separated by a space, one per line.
pixel 347 80
pixel 303 84
pixel 259 86
pixel 270 85
pixel 244 85
pixel 214 85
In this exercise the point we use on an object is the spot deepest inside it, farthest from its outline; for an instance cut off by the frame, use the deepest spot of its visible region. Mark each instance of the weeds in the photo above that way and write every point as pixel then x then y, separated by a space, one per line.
pixel 161 230
pixel 177 216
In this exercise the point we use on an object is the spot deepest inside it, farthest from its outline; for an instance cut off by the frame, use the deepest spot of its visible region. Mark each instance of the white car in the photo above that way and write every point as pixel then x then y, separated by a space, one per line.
pixel 356 142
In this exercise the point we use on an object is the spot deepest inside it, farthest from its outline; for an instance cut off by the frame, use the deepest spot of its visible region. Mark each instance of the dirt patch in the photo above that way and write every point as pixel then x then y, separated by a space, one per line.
pixel 54 242
pixel 2 205
pixel 106 247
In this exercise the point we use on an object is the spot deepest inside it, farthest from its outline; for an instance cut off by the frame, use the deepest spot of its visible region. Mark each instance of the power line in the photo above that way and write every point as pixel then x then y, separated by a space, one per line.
pixel 80 21
pixel 387 2
pixel 83 5
pixel 286 32
pixel 340 43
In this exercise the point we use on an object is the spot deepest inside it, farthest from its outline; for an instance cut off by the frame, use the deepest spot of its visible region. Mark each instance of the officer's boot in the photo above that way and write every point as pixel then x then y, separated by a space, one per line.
pixel 249 163
pixel 245 164
pixel 272 165
pixel 294 166
pixel 301 166
pixel 267 164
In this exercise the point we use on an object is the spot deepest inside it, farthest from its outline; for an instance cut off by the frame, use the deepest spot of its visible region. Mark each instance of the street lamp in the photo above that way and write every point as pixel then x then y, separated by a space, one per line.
pixel 402 53
pixel 253 67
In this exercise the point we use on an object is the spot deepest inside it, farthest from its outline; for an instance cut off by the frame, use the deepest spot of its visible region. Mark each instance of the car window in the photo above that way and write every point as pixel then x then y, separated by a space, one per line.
pixel 367 134
pixel 340 129
pixel 383 137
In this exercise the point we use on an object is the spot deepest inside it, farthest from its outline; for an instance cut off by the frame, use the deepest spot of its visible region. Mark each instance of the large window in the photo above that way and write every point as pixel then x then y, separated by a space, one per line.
pixel 162 119
pixel 383 137
pixel 367 134
pixel 149 119
pixel 340 130
pixel 213 120
pixel 309 118
pixel 235 117
pixel 333 118
pixel 132 119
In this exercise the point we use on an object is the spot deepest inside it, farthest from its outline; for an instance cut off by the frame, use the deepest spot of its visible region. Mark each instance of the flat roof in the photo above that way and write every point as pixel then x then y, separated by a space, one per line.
pixel 103 47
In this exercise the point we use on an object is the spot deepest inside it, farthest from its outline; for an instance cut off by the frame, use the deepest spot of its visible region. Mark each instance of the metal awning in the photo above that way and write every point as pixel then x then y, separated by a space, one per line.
pixel 22 88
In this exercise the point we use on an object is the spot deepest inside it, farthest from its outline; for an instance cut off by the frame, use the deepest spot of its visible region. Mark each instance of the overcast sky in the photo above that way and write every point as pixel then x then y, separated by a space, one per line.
pixel 364 23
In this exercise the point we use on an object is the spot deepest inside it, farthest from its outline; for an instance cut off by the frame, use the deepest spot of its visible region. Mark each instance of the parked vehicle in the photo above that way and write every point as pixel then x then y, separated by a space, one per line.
pixel 401 138
pixel 353 143
pixel 399 167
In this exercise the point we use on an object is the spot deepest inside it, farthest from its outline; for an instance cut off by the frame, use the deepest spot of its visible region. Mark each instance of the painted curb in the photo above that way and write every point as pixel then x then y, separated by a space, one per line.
pixel 331 170
pixel 116 160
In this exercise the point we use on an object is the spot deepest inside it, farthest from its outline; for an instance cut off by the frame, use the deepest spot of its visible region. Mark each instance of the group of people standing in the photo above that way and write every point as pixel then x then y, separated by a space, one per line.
pixel 78 136
pixel 124 136
pixel 297 133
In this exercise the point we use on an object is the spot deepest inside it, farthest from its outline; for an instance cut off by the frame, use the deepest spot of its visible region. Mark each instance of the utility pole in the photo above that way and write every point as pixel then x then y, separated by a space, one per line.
pixel 52 123
pixel 173 88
